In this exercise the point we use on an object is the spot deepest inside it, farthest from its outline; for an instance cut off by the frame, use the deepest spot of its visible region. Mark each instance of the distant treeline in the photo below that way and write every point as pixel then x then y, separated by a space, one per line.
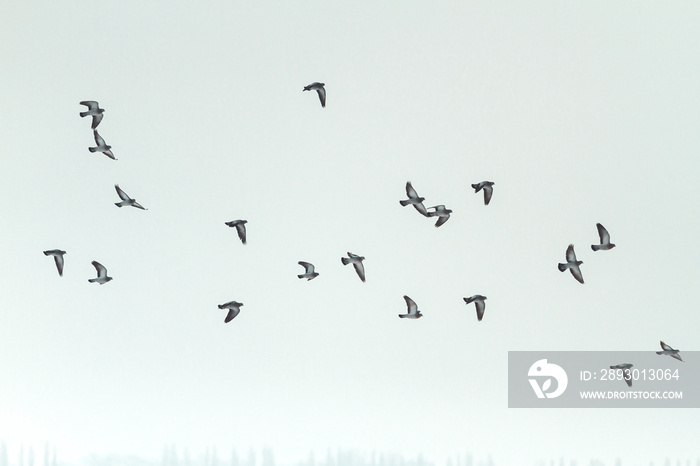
pixel 173 456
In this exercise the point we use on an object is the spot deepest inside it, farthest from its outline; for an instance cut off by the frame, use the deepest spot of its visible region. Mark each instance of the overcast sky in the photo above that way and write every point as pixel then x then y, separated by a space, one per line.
pixel 580 113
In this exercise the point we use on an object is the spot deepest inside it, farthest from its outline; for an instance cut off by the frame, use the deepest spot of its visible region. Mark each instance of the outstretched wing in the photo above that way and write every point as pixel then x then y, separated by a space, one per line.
pixel 309 268
pixel 360 269
pixel 240 229
pixel 101 270
pixel 122 195
pixel 412 194
pixel 96 119
pixel 570 254
pixel 91 104
pixel 98 139
pixel 58 258
pixel 442 220
pixel 322 95
pixel 411 304
pixel 480 308
pixel 488 192
pixel 576 272
pixel 603 234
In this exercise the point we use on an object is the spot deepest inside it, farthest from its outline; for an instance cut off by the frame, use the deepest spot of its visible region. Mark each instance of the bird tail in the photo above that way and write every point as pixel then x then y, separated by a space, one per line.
pixel 92 149
pixel 92 280
pixel 221 306
pixel 595 247
pixel 46 253
pixel 118 204
pixel 83 114
pixel 468 300
pixel 403 316
pixel 475 186
pixel 345 260
pixel 562 267
pixel 300 276
pixel 404 203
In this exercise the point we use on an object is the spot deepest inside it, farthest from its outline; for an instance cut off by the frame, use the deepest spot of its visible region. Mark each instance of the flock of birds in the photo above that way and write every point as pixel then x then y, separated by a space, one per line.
pixel 440 211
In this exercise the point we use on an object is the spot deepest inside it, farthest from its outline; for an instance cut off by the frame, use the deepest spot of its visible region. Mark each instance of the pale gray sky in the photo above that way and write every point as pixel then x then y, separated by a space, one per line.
pixel 580 113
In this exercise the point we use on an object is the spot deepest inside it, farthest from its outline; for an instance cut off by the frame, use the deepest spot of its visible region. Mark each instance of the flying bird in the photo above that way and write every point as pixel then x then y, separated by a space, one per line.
pixel 605 243
pixel 414 199
pixel 309 272
pixel 625 367
pixel 126 200
pixel 668 351
pixel 441 212
pixel 487 186
pixel 356 262
pixel 478 300
pixel 234 309
pixel 413 312
pixel 94 110
pixel 239 225
pixel 102 277
pixel 101 146
pixel 57 257
pixel 572 264
pixel 318 87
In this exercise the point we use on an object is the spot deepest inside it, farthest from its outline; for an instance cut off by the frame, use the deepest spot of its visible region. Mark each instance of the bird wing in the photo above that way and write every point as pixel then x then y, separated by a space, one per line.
pixel 480 308
pixel 412 194
pixel 240 229
pixel 442 220
pixel 421 208
pixel 96 119
pixel 666 347
pixel 232 313
pixel 308 267
pixel 58 258
pixel 122 195
pixel 570 254
pixel 488 192
pixel 576 272
pixel 603 234
pixel 98 139
pixel 321 95
pixel 138 206
pixel 360 269
pixel 411 304
pixel 101 270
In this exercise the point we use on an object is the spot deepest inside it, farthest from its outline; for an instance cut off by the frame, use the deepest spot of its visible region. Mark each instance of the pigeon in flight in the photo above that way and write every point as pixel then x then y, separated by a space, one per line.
pixel 356 262
pixel 668 351
pixel 414 199
pixel 101 146
pixel 441 212
pixel 102 277
pixel 126 200
pixel 625 372
pixel 480 305
pixel 413 312
pixel 318 87
pixel 239 225
pixel 605 243
pixel 487 186
pixel 234 309
pixel 57 257
pixel 309 273
pixel 572 264
pixel 94 110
